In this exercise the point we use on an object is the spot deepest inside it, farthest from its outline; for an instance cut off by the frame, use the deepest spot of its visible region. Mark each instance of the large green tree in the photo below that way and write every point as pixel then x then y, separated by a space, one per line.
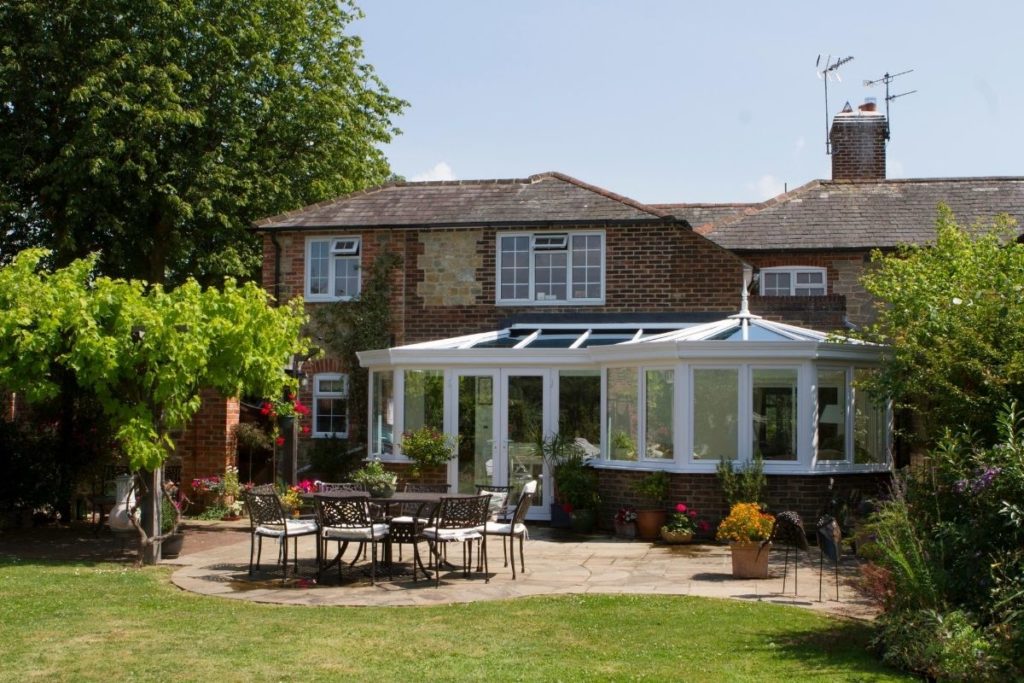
pixel 952 313
pixel 141 353
pixel 154 131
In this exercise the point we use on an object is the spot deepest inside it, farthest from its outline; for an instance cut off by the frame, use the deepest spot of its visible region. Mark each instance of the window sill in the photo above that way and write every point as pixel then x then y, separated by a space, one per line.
pixel 562 302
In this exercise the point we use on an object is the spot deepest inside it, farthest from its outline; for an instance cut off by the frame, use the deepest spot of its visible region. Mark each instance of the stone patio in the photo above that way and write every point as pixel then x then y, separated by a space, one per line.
pixel 556 563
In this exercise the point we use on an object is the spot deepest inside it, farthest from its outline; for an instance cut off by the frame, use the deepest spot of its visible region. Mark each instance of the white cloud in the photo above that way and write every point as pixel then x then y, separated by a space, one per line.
pixel 767 186
pixel 440 171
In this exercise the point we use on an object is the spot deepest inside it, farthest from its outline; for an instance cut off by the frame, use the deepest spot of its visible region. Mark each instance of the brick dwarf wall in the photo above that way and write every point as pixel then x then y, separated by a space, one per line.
pixel 207 445
pixel 805 494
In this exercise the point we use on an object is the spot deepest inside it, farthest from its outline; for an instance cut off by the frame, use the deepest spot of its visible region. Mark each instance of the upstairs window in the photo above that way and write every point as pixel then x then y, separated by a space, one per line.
pixel 551 267
pixel 793 281
pixel 330 405
pixel 332 268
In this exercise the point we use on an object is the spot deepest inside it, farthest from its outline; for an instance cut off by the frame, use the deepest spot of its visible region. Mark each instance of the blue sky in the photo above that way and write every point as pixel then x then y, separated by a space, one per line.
pixel 692 101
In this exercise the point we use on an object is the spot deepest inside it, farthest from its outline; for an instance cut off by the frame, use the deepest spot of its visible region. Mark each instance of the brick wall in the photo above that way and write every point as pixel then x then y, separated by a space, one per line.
pixel 806 494
pixel 648 268
pixel 207 445
pixel 846 295
pixel 858 146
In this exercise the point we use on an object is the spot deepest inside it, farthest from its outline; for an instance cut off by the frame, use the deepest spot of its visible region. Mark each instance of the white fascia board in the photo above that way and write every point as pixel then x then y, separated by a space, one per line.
pixel 434 358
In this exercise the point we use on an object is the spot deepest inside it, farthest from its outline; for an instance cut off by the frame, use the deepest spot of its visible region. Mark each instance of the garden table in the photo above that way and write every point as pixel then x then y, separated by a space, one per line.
pixel 405 531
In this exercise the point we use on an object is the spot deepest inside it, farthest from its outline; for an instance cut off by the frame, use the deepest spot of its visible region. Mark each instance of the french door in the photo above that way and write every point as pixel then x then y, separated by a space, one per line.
pixel 500 416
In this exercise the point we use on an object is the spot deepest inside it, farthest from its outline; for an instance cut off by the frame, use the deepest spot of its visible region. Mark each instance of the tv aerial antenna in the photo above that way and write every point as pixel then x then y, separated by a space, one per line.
pixel 826 73
pixel 887 78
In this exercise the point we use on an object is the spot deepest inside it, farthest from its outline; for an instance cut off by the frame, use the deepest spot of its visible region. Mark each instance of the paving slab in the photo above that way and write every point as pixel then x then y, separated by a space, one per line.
pixel 557 563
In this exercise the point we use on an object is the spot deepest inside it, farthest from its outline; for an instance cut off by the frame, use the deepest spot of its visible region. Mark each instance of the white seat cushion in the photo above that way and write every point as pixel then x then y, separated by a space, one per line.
pixel 294 527
pixel 465 534
pixel 408 519
pixel 503 528
pixel 361 533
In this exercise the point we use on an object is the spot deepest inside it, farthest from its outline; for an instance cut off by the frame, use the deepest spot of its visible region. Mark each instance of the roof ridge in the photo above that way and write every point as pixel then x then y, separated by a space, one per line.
pixel 948 179
pixel 607 194
pixel 709 228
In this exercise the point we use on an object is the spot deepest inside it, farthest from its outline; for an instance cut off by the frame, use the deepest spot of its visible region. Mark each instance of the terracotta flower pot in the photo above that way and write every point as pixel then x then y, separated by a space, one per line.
pixel 649 523
pixel 750 559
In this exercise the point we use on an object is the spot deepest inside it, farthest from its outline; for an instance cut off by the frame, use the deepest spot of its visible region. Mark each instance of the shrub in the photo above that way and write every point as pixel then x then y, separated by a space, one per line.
pixel 653 487
pixel 948 647
pixel 331 459
pixel 743 485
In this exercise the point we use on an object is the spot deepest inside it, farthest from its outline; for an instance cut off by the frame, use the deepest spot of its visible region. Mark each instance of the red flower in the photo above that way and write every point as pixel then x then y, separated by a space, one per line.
pixel 305 429
pixel 266 408
pixel 567 508
pixel 703 526
pixel 279 441
pixel 301 408
pixel 680 507
pixel 693 514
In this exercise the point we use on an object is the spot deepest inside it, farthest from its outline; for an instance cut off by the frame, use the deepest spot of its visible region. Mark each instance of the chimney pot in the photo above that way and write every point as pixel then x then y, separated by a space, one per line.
pixel 870 104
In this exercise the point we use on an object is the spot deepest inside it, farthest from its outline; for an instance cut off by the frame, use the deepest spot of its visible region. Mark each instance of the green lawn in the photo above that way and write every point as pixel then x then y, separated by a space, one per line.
pixel 80 622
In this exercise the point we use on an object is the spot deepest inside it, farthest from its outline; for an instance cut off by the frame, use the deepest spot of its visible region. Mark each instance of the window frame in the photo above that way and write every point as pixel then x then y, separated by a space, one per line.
pixel 793 271
pixel 548 246
pixel 333 395
pixel 351 252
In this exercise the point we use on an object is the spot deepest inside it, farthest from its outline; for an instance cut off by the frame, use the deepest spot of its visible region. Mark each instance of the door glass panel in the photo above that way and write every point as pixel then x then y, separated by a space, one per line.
pixel 579 408
pixel 476 432
pixel 525 425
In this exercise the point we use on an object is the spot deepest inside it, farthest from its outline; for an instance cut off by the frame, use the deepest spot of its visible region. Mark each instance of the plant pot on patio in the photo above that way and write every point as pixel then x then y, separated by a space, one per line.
pixel 649 523
pixel 750 560
pixel 170 547
pixel 675 537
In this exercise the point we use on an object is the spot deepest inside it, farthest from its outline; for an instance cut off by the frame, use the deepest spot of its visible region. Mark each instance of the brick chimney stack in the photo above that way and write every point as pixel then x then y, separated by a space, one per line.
pixel 858 143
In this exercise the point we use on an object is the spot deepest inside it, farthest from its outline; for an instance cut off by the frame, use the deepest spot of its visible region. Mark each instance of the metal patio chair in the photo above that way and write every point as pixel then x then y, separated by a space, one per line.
pixel 267 520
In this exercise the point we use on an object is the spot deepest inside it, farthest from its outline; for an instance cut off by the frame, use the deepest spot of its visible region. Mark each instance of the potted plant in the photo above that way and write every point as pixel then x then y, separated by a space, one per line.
pixel 170 519
pixel 428 449
pixel 682 524
pixel 653 488
pixel 747 529
pixel 291 499
pixel 378 481
pixel 229 487
pixel 623 446
pixel 625 522
pixel 575 493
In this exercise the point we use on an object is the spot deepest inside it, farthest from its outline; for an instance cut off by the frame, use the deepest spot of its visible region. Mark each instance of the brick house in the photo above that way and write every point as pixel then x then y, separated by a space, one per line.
pixel 516 297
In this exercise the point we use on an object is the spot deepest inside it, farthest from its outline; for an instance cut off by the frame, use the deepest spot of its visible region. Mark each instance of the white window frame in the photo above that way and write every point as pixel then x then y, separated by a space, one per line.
pixel 333 395
pixel 339 246
pixel 793 272
pixel 545 242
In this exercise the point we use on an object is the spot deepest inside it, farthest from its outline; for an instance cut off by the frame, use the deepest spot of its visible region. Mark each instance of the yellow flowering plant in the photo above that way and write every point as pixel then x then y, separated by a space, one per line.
pixel 745 523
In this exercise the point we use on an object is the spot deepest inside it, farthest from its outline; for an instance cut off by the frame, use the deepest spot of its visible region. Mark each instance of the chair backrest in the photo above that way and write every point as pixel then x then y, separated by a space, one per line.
pixel 463 512
pixel 328 486
pixel 524 503
pixel 263 488
pixel 342 513
pixel 427 488
pixel 264 508
pixel 500 495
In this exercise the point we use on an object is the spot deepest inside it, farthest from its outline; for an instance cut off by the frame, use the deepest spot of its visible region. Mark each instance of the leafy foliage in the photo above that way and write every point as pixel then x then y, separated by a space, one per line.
pixel 143 353
pixel 746 484
pixel 347 327
pixel 653 487
pixel 949 542
pixel 428 448
pixel 745 523
pixel 953 315
pixel 156 131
